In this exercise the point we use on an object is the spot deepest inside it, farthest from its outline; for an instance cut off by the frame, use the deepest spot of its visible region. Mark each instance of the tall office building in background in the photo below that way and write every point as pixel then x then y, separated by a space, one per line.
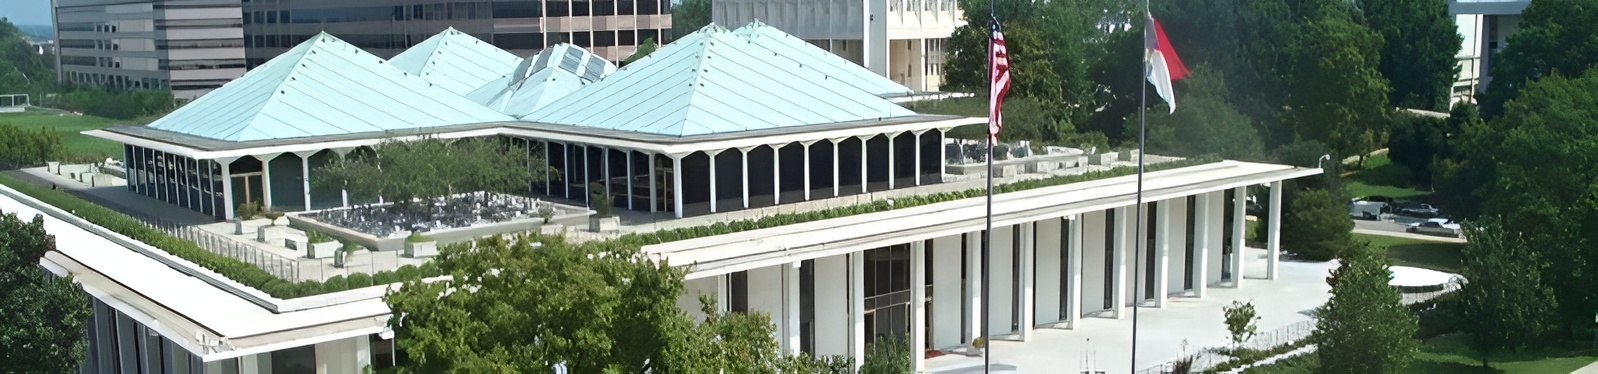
pixel 194 46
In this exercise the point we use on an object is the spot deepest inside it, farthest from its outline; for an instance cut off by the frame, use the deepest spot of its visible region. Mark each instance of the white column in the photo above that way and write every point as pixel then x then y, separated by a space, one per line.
pixel 890 160
pixel 918 305
pixel 917 135
pixel 806 183
pixel 1025 301
pixel 947 300
pixel 549 186
pixel 266 179
pixel 227 187
pixel 743 157
pixel 1162 253
pixel 921 69
pixel 776 175
pixel 1239 221
pixel 650 165
pixel 865 178
pixel 1123 219
pixel 1048 271
pixel 791 309
pixel 713 179
pixel 305 175
pixel 344 197
pixel 832 306
pixel 857 311
pixel 836 164
pixel 723 294
pixel 629 193
pixel 1073 270
pixel 943 150
pixel 1274 232
pixel 604 171
pixel 587 190
pixel 973 274
pixel 1201 244
pixel 676 183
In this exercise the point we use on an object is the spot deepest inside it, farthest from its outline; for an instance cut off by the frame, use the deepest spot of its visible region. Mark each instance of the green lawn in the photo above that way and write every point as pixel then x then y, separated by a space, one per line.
pixel 1440 256
pixel 69 126
pixel 1451 354
pixel 1381 177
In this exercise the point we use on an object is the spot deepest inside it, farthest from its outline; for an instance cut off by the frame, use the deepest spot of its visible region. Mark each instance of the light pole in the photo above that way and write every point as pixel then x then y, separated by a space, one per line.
pixel 1323 158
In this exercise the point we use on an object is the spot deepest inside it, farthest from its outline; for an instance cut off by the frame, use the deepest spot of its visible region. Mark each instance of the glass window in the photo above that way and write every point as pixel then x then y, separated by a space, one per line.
pixel 604 39
pixel 582 39
pixel 627 37
pixel 581 8
pixel 531 40
pixel 605 7
pixel 624 7
pixel 558 8
pixel 517 9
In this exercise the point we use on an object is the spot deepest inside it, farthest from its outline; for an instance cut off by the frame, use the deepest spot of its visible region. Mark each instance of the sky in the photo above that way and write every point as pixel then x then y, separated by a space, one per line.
pixel 26 12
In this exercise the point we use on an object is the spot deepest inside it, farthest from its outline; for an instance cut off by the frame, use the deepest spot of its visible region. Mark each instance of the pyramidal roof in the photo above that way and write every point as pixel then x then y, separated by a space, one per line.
pixel 456 61
pixel 716 81
pixel 551 74
pixel 797 51
pixel 324 86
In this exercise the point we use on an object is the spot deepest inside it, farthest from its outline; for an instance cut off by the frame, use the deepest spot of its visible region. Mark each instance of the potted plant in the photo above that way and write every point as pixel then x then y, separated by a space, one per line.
pixel 320 245
pixel 418 245
pixel 276 216
pixel 604 218
pixel 343 256
pixel 546 213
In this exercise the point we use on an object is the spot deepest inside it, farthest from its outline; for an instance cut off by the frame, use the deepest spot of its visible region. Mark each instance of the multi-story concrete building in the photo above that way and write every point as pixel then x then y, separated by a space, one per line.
pixel 722 126
pixel 194 46
pixel 189 46
pixel 1486 26
pixel 902 40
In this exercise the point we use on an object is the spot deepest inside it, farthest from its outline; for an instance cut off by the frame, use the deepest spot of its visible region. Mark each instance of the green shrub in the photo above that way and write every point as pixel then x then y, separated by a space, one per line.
pixel 888 355
pixel 335 283
pixel 314 236
pixel 307 288
pixel 430 269
pixel 248 210
pixel 407 272
pixel 384 277
pixel 417 237
pixel 359 280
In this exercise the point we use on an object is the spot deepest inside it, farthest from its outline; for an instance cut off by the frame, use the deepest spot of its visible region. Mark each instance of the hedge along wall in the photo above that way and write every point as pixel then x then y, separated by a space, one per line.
pixel 249 275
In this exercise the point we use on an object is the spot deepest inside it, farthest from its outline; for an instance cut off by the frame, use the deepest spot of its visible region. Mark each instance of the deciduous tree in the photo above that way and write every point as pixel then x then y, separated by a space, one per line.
pixel 1418 58
pixel 1364 328
pixel 43 318
pixel 1505 290
pixel 1338 96
pixel 1555 36
pixel 432 167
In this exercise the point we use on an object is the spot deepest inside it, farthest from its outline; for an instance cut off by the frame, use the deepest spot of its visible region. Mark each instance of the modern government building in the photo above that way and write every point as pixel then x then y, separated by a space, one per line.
pixel 722 124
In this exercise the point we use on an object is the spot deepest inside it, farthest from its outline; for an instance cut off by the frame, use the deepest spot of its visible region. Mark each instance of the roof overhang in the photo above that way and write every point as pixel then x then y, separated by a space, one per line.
pixel 208 149
pixel 187 307
pixel 722 254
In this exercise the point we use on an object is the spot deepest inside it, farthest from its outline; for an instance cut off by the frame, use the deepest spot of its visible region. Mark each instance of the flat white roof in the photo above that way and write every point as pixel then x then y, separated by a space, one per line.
pixel 206 320
pixel 722 254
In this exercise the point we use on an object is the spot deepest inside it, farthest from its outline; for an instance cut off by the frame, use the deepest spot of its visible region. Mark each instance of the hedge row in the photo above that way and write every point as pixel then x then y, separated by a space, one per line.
pixel 237 270
pixel 1246 357
pixel 782 219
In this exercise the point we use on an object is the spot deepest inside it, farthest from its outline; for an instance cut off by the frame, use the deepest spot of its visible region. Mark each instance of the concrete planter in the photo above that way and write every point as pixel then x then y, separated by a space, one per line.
pixel 272 235
pixel 603 224
pixel 53 167
pixel 322 250
pixel 340 257
pixel 551 229
pixel 244 227
pixel 421 249
pixel 281 221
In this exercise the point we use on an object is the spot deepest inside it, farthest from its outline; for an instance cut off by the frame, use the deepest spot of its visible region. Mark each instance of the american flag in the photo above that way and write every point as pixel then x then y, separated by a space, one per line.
pixel 999 64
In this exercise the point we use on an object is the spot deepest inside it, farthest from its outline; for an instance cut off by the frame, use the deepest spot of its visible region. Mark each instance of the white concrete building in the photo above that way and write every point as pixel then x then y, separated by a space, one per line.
pixel 681 138
pixel 1486 26
pixel 902 40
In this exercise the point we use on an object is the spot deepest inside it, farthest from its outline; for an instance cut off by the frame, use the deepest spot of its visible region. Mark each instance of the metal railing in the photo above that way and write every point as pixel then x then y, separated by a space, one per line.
pixel 286 268
pixel 1210 357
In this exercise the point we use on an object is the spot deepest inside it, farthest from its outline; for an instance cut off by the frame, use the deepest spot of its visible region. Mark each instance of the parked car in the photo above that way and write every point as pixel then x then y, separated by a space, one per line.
pixel 1370 210
pixel 1417 210
pixel 1435 226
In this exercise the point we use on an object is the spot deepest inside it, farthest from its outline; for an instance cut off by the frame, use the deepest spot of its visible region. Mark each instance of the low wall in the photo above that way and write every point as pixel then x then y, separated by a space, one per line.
pixel 455 235
pixel 1017 166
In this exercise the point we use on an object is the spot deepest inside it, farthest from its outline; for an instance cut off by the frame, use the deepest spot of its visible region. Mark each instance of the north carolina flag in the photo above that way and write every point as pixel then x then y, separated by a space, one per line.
pixel 1161 63
pixel 999 84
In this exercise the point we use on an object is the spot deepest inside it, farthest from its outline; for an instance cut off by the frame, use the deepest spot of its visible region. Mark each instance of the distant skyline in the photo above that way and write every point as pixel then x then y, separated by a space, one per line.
pixel 26 12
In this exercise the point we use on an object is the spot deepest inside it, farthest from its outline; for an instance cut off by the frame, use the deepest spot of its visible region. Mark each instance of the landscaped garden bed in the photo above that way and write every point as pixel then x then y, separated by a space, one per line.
pixel 451 219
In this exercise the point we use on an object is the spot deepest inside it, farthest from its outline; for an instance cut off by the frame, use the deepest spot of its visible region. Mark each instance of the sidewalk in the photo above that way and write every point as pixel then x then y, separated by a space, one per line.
pixel 1589 369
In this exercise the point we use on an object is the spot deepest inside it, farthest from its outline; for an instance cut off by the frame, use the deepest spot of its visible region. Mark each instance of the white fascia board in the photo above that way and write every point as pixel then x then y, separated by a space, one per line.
pixel 813 135
pixel 914 224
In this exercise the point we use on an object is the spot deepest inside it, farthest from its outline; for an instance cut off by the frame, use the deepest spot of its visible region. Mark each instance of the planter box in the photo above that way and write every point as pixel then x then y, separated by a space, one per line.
pixel 53 167
pixel 272 235
pixel 244 227
pixel 340 258
pixel 421 249
pixel 551 229
pixel 322 250
pixel 281 221
pixel 604 224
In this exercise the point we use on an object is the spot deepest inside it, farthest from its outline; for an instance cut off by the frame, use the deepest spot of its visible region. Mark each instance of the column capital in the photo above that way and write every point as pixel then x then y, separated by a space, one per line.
pixel 921 131
pixel 268 157
pixel 306 154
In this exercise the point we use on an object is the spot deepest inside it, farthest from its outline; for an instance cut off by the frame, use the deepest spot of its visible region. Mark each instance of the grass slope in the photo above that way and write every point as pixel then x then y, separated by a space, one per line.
pixel 1451 354
pixel 1381 177
pixel 1440 256
pixel 77 145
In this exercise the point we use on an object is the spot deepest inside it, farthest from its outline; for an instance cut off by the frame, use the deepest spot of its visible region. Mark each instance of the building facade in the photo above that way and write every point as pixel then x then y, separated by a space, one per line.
pixel 1486 26
pixel 195 46
pixel 188 46
pixel 903 40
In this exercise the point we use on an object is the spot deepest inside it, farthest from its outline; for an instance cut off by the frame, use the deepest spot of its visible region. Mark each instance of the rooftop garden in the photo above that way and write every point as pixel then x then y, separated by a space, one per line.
pixel 254 277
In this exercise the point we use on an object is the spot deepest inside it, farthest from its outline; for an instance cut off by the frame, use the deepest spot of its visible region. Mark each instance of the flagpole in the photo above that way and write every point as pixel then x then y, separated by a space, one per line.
pixel 1137 238
pixel 987 232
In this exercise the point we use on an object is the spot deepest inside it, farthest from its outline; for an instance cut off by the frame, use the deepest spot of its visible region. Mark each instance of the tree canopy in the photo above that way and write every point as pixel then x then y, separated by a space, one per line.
pixel 1418 58
pixel 1364 328
pixel 432 167
pixel 1505 286
pixel 689 16
pixel 1555 36
pixel 1338 96
pixel 43 318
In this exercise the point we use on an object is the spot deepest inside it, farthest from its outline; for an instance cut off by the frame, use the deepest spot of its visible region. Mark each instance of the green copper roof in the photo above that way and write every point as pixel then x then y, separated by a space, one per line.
pixel 456 61
pixel 324 86
pixel 718 81
pixel 553 73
